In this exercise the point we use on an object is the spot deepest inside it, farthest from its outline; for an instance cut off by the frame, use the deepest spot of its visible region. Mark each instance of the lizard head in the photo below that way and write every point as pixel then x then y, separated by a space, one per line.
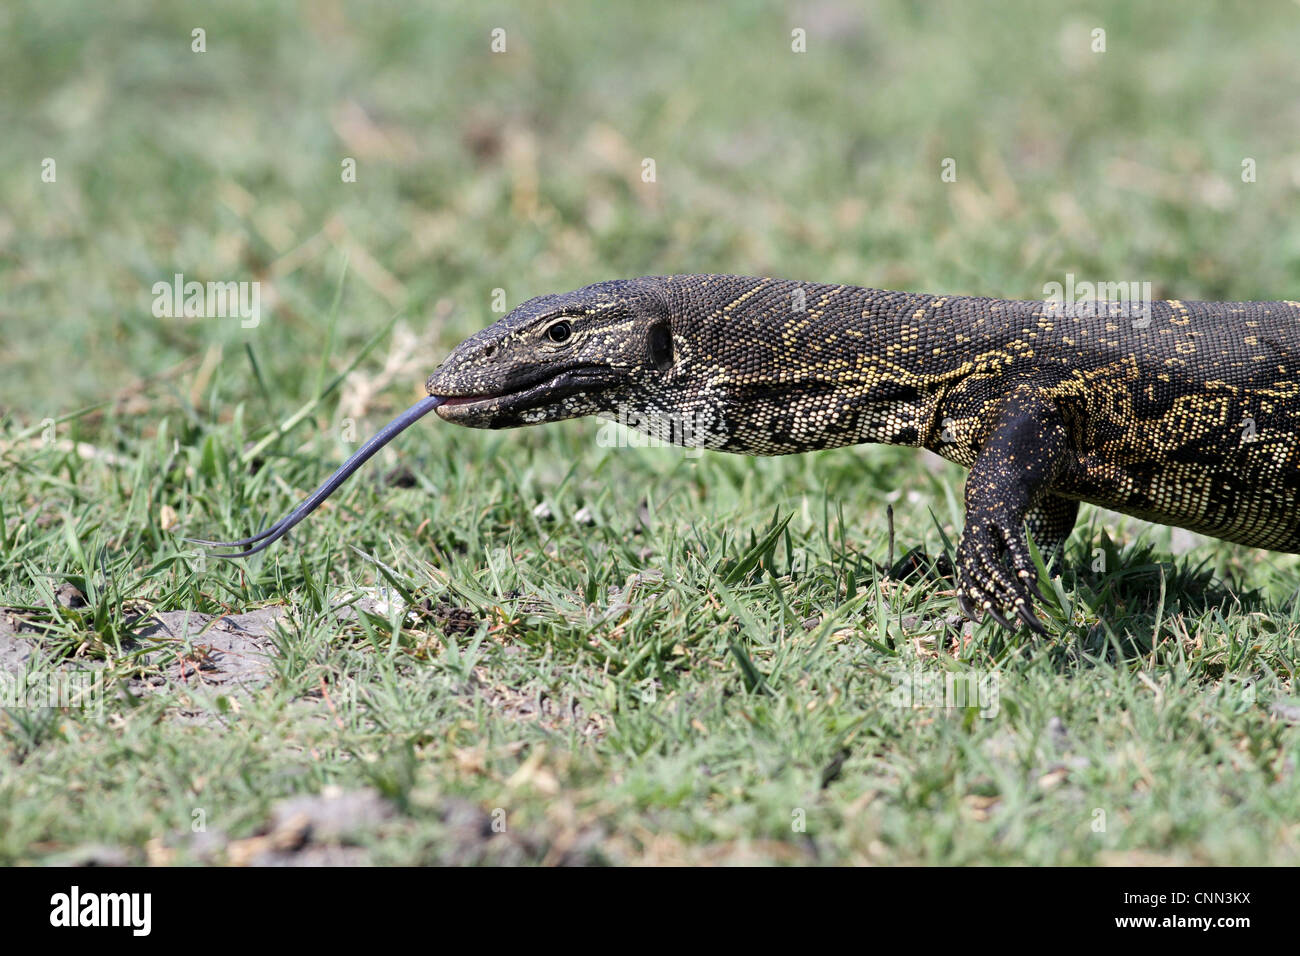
pixel 590 352
pixel 587 352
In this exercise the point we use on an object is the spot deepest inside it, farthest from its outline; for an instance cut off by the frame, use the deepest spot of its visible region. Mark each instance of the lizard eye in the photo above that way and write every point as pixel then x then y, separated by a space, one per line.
pixel 559 331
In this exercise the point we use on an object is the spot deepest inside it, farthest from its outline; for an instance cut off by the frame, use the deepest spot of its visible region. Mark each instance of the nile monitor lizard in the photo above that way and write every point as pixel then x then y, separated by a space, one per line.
pixel 1187 416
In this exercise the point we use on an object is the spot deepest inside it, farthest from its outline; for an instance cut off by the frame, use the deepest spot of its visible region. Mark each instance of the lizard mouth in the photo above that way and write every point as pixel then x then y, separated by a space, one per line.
pixel 505 408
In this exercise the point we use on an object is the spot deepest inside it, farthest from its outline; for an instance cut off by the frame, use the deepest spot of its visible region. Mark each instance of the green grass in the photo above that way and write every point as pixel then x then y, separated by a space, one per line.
pixel 693 659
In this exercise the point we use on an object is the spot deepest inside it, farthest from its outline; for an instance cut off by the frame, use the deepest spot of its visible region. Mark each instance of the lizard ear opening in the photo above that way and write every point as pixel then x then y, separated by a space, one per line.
pixel 660 342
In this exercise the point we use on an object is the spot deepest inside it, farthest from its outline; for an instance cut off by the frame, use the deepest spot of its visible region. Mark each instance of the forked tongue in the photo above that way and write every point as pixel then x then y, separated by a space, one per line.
pixel 328 487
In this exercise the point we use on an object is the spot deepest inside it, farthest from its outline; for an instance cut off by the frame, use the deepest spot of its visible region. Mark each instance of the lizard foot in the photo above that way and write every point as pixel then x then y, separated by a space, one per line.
pixel 995 574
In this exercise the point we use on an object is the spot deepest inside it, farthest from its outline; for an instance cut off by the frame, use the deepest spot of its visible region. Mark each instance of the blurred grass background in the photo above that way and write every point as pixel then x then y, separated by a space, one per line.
pixel 521 171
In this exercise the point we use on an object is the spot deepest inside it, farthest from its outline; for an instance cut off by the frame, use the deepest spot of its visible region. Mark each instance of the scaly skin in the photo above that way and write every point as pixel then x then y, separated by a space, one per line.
pixel 1191 419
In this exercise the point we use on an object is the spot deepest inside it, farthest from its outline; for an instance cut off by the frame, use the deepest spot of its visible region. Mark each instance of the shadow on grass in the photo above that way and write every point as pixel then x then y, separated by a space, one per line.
pixel 1134 591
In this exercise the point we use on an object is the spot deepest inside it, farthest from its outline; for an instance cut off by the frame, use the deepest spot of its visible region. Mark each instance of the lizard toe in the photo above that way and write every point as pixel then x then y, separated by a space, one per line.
pixel 1023 565
pixel 981 588
pixel 1026 576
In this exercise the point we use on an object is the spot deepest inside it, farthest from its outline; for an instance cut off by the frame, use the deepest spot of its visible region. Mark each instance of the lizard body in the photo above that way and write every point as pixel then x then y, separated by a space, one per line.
pixel 1187 415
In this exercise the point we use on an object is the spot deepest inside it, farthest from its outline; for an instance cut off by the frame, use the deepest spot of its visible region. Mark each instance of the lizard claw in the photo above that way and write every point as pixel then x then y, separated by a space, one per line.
pixel 992 612
pixel 1031 620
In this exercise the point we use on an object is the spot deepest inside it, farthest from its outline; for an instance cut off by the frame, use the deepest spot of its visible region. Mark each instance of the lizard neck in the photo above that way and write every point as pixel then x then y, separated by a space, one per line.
pixel 782 367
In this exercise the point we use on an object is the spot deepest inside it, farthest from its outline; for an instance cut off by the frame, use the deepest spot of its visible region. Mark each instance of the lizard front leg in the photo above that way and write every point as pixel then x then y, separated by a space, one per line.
pixel 1026 448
